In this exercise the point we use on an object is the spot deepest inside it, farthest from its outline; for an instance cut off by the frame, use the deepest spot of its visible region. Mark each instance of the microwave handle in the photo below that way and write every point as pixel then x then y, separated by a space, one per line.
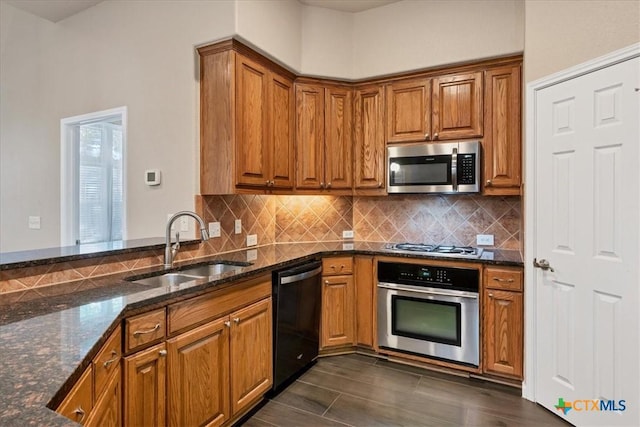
pixel 454 169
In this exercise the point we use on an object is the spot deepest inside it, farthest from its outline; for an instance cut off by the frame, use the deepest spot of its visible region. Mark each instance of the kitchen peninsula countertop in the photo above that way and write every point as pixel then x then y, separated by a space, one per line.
pixel 47 342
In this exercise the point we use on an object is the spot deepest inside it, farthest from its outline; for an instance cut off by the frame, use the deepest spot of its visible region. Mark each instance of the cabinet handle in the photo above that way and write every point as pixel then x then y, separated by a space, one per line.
pixel 379 184
pixel 114 357
pixel 490 295
pixel 426 135
pixel 497 279
pixel 267 183
pixel 136 334
pixel 342 267
pixel 80 412
pixel 271 183
pixel 328 185
pixel 162 353
pixel 236 320
pixel 489 183
pixel 227 323
pixel 322 185
pixel 435 135
pixel 326 282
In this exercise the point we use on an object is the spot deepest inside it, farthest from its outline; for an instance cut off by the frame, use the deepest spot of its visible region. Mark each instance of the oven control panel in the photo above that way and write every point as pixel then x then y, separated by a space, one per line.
pixel 466 279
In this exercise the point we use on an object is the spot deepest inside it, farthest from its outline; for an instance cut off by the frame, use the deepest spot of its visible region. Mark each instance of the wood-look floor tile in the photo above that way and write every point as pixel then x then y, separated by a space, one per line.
pixel 511 417
pixel 285 416
pixel 366 413
pixel 370 373
pixel 307 397
pixel 256 422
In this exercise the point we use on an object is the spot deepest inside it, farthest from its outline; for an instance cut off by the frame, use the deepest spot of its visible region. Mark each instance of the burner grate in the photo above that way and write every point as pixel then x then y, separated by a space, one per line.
pixel 439 250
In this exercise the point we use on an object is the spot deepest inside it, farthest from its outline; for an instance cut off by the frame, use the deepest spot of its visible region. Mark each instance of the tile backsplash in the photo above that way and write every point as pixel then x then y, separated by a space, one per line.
pixel 408 218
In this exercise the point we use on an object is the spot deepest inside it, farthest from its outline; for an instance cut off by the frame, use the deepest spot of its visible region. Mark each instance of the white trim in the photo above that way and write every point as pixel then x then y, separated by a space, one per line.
pixel 67 154
pixel 629 52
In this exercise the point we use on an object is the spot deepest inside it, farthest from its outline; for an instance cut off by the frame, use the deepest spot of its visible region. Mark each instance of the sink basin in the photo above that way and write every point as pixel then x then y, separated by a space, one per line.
pixel 191 274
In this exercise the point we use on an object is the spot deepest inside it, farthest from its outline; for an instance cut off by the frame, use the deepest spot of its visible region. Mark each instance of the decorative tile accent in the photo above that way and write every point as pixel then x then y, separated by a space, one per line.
pixel 438 219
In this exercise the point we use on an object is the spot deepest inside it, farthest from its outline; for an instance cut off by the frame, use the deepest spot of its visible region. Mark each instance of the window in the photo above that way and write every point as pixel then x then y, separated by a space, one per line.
pixel 93 181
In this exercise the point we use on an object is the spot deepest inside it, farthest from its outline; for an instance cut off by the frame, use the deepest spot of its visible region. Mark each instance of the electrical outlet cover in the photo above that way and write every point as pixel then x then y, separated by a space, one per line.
pixel 347 234
pixel 252 239
pixel 238 226
pixel 484 239
pixel 214 229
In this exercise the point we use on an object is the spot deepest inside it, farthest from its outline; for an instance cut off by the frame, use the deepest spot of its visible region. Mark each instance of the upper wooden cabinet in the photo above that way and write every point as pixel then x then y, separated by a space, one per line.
pixel 323 137
pixel 502 141
pixel 408 107
pixel 442 108
pixel 246 121
pixel 369 138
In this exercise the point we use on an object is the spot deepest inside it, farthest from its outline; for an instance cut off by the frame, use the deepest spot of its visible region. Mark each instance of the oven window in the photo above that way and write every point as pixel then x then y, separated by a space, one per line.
pixel 427 320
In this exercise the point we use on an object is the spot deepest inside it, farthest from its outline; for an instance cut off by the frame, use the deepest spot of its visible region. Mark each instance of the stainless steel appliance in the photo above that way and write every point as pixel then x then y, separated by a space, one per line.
pixel 447 167
pixel 429 310
pixel 436 250
pixel 296 320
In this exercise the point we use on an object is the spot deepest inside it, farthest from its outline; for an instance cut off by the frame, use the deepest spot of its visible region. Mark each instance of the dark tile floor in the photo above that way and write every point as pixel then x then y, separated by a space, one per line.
pixel 357 390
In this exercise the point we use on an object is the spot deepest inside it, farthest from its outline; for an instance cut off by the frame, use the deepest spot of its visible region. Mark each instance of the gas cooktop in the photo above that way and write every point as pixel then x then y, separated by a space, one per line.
pixel 437 250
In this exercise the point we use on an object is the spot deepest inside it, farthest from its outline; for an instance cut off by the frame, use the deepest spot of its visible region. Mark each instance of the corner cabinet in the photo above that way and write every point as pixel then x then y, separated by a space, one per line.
pixel 503 322
pixel 502 143
pixel 246 121
pixel 369 138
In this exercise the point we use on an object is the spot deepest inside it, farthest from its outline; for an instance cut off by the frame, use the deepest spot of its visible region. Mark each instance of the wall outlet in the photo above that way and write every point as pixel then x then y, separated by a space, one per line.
pixel 34 222
pixel 484 239
pixel 252 255
pixel 347 246
pixel 238 226
pixel 252 239
pixel 184 224
pixel 347 234
pixel 214 229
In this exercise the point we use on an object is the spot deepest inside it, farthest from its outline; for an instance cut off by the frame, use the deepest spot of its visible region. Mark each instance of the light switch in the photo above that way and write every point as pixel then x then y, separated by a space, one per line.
pixel 238 226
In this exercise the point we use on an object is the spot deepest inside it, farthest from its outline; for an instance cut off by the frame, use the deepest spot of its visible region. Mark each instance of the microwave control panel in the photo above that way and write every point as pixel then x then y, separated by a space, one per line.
pixel 466 169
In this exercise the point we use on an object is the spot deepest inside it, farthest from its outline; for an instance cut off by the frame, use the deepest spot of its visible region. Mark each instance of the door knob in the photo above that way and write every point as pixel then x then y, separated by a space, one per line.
pixel 543 264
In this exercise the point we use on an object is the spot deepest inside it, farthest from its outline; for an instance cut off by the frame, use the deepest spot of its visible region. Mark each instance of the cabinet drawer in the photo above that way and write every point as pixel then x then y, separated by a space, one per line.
pixel 339 265
pixel 503 278
pixel 79 402
pixel 144 329
pixel 107 361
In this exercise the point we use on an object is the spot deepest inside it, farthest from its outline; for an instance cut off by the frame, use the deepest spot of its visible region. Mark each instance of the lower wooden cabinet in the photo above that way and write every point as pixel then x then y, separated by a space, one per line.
pixel 503 322
pixel 198 375
pixel 365 301
pixel 107 411
pixel 145 387
pixel 79 402
pixel 338 314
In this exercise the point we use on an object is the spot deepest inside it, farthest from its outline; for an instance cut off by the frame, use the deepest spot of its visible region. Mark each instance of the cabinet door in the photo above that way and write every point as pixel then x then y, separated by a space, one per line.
pixel 502 141
pixel 338 137
pixel 251 354
pixel 408 109
pixel 145 387
pixel 503 333
pixel 338 318
pixel 365 287
pixel 198 375
pixel 369 139
pixel 79 402
pixel 309 136
pixel 457 106
pixel 282 121
pixel 252 126
pixel 108 408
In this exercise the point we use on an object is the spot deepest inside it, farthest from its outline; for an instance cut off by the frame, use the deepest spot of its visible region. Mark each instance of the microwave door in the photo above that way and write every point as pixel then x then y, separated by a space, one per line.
pixel 419 174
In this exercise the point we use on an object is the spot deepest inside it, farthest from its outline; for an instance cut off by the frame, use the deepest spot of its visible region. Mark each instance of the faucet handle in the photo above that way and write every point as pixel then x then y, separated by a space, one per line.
pixel 176 245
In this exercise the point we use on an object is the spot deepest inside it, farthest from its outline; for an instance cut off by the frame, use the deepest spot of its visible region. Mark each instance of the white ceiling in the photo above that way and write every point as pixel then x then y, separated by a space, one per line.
pixel 53 10
pixel 57 10
pixel 348 5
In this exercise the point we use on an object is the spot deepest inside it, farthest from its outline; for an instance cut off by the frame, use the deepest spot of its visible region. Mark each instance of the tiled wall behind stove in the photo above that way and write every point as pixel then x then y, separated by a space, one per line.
pixel 438 219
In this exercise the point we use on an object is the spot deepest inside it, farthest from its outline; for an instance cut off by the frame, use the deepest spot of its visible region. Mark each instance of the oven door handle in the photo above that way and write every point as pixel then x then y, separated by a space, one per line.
pixel 460 294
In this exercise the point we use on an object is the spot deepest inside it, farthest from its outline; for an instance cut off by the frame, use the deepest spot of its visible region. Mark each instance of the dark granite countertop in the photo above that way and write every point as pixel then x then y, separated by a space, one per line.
pixel 46 343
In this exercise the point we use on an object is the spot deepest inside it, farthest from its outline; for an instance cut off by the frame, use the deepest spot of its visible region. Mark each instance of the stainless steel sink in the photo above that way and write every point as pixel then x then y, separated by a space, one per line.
pixel 191 274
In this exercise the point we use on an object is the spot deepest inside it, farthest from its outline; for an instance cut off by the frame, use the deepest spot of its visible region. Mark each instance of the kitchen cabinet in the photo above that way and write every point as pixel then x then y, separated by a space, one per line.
pixel 107 411
pixel 145 387
pixel 503 322
pixel 323 137
pixel 337 328
pixel 79 402
pixel 198 375
pixel 433 109
pixel 369 138
pixel 365 300
pixel 502 144
pixel 246 121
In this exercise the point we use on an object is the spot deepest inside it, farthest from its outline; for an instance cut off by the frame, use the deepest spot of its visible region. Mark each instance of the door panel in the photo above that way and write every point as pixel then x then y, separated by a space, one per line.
pixel 338 137
pixel 145 388
pixel 309 136
pixel 457 106
pixel 282 131
pixel 408 108
pixel 369 139
pixel 587 210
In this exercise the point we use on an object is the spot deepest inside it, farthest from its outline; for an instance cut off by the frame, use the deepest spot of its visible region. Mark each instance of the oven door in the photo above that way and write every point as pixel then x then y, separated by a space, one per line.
pixel 428 321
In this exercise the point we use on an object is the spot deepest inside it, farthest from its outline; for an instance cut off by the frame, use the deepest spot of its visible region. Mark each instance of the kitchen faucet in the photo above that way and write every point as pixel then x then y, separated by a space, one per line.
pixel 171 251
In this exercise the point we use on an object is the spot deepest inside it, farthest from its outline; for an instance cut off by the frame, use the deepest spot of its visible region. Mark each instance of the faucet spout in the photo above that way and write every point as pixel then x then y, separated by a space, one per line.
pixel 170 252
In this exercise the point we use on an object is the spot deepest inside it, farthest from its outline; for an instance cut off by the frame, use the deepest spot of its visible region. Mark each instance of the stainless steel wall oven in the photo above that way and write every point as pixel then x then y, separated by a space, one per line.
pixel 429 310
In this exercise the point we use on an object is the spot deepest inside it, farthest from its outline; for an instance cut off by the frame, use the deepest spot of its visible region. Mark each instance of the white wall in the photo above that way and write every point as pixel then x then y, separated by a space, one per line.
pixel 560 34
pixel 409 35
pixel 138 54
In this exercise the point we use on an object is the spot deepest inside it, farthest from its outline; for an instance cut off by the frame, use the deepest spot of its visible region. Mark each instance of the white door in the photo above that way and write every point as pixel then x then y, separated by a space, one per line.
pixel 586 216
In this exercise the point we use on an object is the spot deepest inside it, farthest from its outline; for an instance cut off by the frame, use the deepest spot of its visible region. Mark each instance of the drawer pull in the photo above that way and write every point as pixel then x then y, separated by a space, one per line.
pixel 227 323
pixel 490 295
pixel 136 334
pixel 114 357
pixel 79 413
pixel 236 320
pixel 497 279
pixel 162 353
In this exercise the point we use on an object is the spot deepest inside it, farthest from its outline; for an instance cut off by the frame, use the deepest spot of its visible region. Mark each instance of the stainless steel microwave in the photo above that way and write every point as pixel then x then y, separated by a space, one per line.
pixel 449 167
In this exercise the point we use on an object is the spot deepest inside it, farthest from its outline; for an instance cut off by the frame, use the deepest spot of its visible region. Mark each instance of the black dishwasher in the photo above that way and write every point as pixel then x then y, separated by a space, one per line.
pixel 296 320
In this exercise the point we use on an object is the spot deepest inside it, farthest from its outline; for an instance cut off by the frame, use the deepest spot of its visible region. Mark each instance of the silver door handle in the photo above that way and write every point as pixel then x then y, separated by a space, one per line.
pixel 543 264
